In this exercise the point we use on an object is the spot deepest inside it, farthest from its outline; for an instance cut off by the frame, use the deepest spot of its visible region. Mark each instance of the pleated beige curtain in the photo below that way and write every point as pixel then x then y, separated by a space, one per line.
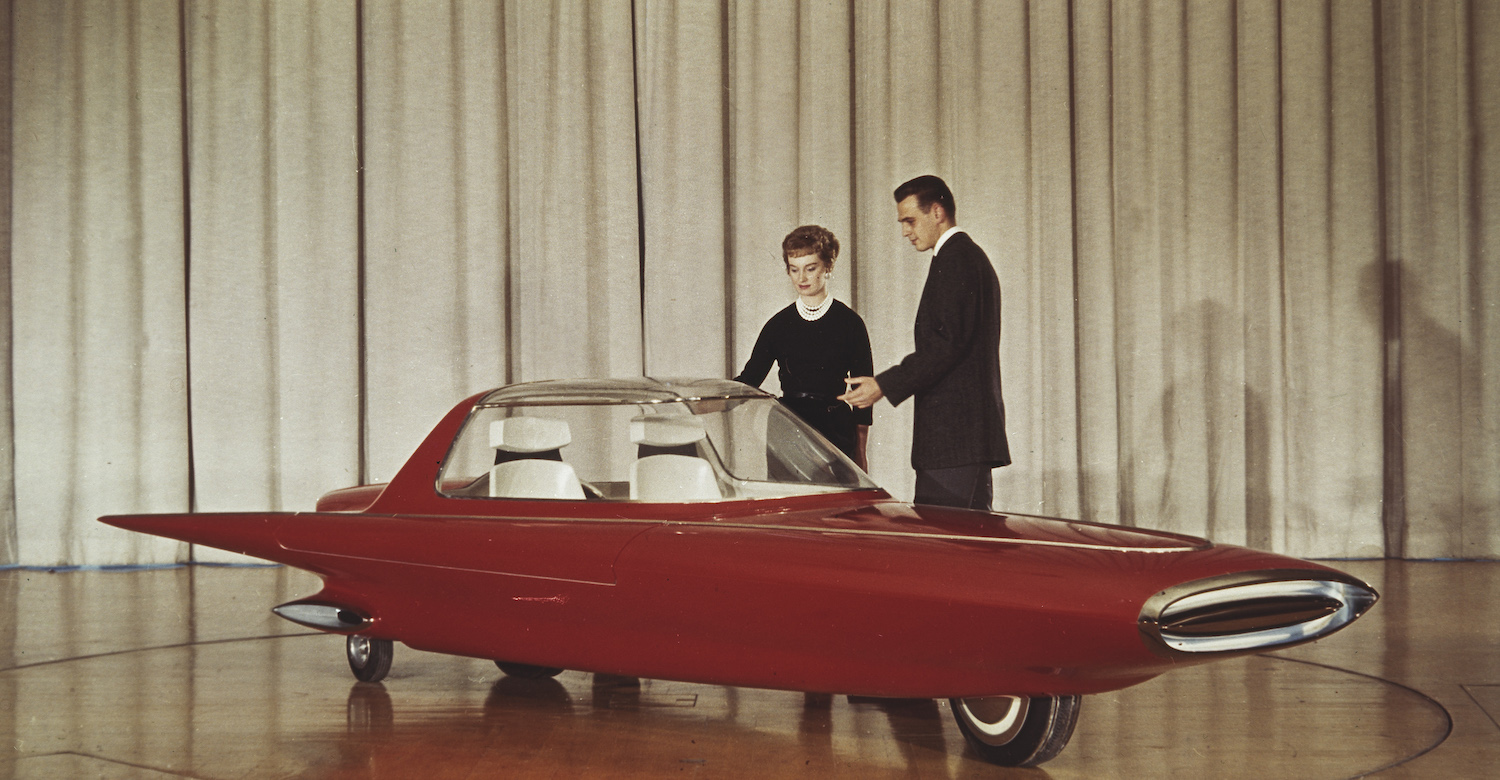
pixel 98 289
pixel 1247 248
pixel 1441 242
pixel 274 281
pixel 8 540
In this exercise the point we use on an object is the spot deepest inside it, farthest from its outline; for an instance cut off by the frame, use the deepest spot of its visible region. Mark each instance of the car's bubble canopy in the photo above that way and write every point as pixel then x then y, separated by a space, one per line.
pixel 642 390
pixel 653 440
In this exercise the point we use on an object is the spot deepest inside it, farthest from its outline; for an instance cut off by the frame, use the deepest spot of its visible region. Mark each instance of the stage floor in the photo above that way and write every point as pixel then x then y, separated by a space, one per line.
pixel 185 673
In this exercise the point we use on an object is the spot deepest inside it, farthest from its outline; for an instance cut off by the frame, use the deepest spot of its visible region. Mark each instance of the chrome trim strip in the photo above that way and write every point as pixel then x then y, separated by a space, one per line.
pixel 943 537
pixel 1179 548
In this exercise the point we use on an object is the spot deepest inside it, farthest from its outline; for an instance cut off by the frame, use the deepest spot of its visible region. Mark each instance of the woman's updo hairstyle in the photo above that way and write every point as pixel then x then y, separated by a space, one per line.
pixel 811 239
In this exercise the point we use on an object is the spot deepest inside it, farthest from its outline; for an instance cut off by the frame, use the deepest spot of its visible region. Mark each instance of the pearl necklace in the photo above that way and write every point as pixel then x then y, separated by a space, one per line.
pixel 811 313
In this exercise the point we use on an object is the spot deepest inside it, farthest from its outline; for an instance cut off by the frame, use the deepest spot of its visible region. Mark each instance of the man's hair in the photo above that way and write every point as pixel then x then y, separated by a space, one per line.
pixel 929 190
pixel 811 239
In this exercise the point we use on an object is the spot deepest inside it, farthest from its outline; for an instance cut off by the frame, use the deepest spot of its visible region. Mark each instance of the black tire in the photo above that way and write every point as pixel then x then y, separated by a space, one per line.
pixel 369 658
pixel 527 671
pixel 1017 730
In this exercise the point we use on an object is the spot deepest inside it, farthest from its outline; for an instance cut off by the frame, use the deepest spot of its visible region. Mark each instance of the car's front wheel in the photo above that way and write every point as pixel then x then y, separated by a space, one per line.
pixel 1016 730
pixel 528 671
pixel 369 658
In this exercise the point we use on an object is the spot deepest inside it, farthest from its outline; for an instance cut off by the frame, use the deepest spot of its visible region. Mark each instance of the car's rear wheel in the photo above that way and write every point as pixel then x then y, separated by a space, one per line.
pixel 369 658
pixel 1016 730
pixel 528 671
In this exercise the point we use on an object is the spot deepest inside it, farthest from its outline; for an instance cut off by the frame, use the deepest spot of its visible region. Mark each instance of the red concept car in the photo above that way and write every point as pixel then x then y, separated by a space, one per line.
pixel 695 530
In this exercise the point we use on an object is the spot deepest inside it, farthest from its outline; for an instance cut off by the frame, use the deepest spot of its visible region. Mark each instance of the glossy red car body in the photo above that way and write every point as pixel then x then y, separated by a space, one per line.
pixel 836 590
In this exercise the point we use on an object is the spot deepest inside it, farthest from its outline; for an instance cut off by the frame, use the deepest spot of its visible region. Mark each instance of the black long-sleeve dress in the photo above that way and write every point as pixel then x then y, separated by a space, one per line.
pixel 813 358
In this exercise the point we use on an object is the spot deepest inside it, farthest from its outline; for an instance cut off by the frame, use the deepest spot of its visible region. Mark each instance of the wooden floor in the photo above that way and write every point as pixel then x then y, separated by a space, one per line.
pixel 184 673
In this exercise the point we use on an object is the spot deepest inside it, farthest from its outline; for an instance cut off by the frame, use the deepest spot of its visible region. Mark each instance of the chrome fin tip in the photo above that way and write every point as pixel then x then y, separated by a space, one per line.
pixel 324 617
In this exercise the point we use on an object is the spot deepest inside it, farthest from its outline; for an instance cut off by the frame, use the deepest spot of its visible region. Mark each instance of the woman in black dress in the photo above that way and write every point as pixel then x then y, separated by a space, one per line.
pixel 816 342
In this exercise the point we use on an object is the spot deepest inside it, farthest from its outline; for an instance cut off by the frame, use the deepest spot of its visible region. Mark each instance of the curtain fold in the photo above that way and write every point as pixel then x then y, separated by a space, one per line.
pixel 1330 241
pixel 272 258
pixel 1093 212
pixel 575 300
pixel 434 272
pixel 1477 309
pixel 1257 246
pixel 1247 249
pixel 8 538
pixel 1441 71
pixel 98 318
pixel 680 83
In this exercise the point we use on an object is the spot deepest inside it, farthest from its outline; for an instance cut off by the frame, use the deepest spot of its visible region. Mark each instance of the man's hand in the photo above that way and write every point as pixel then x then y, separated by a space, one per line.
pixel 863 391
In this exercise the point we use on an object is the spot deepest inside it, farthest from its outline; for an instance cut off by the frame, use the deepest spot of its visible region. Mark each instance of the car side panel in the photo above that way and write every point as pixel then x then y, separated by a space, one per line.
pixel 575 550
pixel 897 617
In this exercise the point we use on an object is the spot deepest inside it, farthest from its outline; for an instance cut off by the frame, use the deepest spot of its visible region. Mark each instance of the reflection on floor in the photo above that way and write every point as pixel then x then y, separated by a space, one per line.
pixel 183 673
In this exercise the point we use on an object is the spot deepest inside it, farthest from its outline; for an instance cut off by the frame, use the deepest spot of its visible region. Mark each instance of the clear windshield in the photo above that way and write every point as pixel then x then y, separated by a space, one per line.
pixel 709 450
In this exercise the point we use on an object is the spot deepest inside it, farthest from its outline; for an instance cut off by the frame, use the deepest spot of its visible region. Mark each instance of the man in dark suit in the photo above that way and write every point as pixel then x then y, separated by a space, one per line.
pixel 958 433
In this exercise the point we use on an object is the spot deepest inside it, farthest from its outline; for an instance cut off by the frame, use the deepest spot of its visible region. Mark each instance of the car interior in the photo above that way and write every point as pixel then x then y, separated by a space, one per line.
pixel 641 452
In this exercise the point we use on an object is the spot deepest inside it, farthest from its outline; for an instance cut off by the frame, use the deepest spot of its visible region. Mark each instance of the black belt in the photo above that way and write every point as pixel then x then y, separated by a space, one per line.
pixel 824 397
pixel 829 403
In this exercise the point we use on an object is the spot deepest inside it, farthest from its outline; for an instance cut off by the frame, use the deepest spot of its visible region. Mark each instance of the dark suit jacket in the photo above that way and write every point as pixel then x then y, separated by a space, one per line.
pixel 955 371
